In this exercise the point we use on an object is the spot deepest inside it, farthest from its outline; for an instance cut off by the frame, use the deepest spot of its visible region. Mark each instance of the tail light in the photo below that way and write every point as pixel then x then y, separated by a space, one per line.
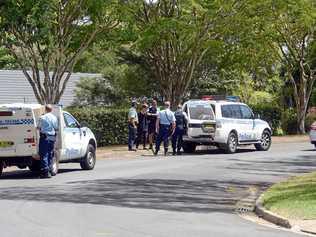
pixel 29 140
pixel 6 113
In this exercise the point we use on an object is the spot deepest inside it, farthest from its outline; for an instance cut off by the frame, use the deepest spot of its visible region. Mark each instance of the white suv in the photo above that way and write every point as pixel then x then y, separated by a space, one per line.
pixel 237 125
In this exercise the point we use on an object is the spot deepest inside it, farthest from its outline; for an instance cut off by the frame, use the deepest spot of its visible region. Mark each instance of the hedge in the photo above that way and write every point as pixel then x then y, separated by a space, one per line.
pixel 108 125
pixel 270 113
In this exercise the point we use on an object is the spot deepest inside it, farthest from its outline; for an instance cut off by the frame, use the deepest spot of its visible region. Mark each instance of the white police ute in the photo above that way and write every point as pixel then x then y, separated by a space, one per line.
pixel 236 125
pixel 19 138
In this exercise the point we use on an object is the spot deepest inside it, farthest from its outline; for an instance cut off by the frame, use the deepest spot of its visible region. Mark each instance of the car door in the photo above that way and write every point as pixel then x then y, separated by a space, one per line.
pixel 72 137
pixel 247 123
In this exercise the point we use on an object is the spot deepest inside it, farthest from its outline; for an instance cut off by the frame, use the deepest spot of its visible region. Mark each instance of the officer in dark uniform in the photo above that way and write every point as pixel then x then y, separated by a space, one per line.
pixel 152 117
pixel 177 137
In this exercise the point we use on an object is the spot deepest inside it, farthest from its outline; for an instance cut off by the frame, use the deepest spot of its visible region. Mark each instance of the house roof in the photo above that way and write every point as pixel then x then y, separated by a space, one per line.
pixel 14 88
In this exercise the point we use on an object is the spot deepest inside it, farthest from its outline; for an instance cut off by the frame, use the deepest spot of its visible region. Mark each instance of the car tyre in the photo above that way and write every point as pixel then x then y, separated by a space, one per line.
pixel 189 147
pixel 265 143
pixel 35 167
pixel 231 146
pixel 89 160
pixel 1 167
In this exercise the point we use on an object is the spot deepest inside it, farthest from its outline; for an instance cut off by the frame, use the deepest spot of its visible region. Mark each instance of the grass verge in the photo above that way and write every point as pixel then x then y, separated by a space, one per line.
pixel 294 198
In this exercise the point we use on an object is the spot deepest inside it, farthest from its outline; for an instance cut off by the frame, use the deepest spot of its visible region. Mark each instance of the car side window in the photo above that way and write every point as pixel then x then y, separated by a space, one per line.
pixel 246 112
pixel 70 121
pixel 226 111
pixel 235 110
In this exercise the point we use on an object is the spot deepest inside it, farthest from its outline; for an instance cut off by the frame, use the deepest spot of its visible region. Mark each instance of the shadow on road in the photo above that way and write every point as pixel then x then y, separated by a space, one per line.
pixel 275 167
pixel 26 174
pixel 174 195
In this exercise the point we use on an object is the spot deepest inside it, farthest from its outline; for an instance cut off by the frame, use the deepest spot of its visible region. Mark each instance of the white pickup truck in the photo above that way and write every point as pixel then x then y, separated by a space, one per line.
pixel 19 138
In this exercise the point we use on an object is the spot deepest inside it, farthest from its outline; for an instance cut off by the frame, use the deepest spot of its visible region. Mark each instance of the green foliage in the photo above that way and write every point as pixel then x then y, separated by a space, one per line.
pixel 50 35
pixel 6 60
pixel 108 125
pixel 289 121
pixel 270 113
pixel 125 75
pixel 96 91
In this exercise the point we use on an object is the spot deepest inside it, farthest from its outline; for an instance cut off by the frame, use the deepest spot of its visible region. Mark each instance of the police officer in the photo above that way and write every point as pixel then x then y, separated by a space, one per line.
pixel 132 126
pixel 152 117
pixel 177 137
pixel 142 129
pixel 165 126
pixel 48 127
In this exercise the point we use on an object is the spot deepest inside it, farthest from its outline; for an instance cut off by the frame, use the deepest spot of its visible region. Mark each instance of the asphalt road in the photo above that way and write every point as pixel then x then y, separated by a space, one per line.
pixel 193 196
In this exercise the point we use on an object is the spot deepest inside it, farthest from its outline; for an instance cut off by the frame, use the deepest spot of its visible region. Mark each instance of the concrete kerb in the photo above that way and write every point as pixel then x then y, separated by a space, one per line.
pixel 271 217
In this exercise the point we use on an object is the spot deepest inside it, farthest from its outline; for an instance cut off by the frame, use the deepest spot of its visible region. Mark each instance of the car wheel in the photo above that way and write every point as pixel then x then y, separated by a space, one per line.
pixel 55 166
pixel 88 162
pixel 189 147
pixel 1 167
pixel 231 146
pixel 265 143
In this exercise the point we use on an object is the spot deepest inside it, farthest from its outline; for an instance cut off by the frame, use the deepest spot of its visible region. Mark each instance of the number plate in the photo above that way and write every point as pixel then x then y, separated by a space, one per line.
pixel 209 126
pixel 6 144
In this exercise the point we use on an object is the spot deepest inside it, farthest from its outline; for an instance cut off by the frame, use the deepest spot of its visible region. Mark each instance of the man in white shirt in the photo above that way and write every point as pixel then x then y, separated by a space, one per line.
pixel 165 126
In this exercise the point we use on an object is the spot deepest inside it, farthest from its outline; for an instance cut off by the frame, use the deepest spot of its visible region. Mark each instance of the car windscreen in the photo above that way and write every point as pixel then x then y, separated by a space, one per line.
pixel 201 112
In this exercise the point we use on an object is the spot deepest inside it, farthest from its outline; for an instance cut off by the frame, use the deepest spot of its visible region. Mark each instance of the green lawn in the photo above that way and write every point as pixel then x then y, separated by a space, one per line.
pixel 294 198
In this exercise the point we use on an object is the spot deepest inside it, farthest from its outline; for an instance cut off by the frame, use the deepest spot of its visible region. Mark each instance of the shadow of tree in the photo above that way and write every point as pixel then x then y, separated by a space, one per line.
pixel 173 195
pixel 279 167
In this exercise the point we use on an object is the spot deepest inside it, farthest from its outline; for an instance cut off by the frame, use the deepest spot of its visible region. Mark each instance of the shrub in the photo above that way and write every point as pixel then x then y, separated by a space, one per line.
pixel 270 113
pixel 289 121
pixel 109 125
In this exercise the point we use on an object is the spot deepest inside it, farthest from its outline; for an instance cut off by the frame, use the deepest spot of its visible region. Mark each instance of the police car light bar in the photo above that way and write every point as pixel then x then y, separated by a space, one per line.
pixel 231 98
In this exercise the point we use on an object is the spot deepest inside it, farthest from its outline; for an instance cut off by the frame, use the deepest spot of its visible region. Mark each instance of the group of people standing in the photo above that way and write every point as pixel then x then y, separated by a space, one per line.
pixel 155 126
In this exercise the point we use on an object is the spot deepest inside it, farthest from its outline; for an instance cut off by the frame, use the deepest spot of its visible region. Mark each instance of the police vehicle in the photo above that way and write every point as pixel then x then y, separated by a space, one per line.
pixel 236 125
pixel 201 124
pixel 19 138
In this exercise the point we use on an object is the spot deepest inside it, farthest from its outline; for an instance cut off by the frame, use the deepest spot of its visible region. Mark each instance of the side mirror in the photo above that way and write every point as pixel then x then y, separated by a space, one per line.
pixel 84 124
pixel 257 116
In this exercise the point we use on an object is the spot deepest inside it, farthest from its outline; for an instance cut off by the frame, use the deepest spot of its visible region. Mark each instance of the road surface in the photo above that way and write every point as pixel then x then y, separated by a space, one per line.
pixel 192 195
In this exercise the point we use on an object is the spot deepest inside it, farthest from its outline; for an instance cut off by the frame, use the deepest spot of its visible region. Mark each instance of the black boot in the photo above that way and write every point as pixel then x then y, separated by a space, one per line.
pixel 166 152
pixel 174 152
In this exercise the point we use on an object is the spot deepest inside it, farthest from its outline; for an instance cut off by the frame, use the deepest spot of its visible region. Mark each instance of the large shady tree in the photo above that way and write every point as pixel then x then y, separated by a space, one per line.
pixel 50 36
pixel 174 36
pixel 288 29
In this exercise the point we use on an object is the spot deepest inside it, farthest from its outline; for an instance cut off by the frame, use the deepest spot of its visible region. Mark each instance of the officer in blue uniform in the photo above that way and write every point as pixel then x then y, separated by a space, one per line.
pixel 177 137
pixel 165 126
pixel 48 126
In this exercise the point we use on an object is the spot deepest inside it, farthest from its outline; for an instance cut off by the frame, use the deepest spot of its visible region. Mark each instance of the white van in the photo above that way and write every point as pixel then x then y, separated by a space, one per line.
pixel 201 125
pixel 19 138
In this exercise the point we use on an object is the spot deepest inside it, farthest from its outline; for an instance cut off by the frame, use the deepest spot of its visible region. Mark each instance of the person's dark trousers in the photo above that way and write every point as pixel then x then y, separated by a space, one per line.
pixel 177 140
pixel 163 135
pixel 141 137
pixel 131 136
pixel 46 152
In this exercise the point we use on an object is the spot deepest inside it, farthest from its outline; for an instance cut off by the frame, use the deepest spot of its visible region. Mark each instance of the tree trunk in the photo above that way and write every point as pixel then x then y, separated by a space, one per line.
pixel 301 120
